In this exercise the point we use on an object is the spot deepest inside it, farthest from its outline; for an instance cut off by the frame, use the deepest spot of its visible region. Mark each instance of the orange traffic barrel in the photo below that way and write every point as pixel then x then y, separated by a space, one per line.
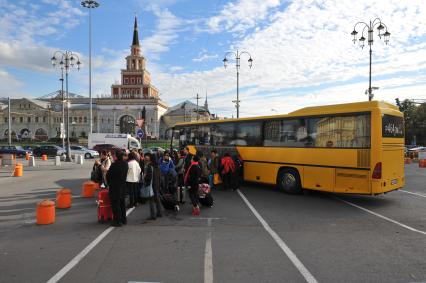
pixel 27 156
pixel 88 190
pixel 19 169
pixel 45 212
pixel 44 157
pixel 422 163
pixel 63 198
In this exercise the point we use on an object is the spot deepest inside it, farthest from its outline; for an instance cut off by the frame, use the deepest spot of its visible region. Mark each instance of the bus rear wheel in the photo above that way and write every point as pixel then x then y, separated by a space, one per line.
pixel 289 181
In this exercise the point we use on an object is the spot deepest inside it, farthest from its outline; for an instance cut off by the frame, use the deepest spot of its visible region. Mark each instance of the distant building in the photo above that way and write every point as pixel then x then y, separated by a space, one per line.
pixel 134 98
pixel 183 112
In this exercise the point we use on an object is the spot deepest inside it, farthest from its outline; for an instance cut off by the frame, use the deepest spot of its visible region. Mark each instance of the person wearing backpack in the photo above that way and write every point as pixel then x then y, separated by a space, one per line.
pixel 213 165
pixel 228 171
pixel 167 168
pixel 192 179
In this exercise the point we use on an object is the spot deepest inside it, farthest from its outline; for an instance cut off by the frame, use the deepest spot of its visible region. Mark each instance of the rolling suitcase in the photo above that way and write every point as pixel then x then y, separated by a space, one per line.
pixel 207 200
pixel 104 206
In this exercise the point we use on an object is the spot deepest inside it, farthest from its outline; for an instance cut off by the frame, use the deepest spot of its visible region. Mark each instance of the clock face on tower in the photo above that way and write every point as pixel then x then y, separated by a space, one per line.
pixel 57 107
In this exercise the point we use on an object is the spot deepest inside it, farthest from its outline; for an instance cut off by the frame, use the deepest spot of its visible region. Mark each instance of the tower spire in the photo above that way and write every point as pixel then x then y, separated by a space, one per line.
pixel 135 33
pixel 206 104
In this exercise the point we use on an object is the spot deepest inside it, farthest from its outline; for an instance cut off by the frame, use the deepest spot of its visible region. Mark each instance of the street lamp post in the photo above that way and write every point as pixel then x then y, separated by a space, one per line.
pixel 63 107
pixel 370 30
pixel 67 60
pixel 237 56
pixel 90 4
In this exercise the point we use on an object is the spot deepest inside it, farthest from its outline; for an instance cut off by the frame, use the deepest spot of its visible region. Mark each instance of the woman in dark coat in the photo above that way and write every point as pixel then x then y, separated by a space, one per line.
pixel 192 179
pixel 116 179
pixel 152 174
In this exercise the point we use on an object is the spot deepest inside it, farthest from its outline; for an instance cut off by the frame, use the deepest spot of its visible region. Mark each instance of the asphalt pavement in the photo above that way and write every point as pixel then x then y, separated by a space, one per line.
pixel 257 234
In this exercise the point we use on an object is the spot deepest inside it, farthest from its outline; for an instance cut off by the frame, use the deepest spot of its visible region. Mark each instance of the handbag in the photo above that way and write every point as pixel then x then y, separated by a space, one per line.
pixel 147 191
pixel 216 179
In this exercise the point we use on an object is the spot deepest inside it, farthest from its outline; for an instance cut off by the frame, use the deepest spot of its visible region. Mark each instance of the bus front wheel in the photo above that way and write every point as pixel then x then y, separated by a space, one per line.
pixel 289 181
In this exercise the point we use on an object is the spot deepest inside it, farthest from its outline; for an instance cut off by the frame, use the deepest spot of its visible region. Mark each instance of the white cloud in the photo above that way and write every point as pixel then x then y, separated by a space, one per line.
pixel 241 15
pixel 163 37
pixel 9 84
pixel 204 57
pixel 308 45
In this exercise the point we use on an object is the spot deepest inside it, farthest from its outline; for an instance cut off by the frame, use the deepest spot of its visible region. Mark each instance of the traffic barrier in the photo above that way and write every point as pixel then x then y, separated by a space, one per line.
pixel 408 161
pixel 44 157
pixel 63 198
pixel 422 163
pixel 79 159
pixel 31 162
pixel 19 170
pixel 89 188
pixel 57 161
pixel 45 212
pixel 27 156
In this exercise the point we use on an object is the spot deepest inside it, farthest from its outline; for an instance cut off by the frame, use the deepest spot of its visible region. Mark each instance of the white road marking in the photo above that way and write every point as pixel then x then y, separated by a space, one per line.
pixel 208 256
pixel 411 193
pixel 61 273
pixel 382 216
pixel 292 256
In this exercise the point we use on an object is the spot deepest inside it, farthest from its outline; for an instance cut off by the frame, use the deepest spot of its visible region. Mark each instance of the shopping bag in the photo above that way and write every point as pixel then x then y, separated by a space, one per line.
pixel 147 191
pixel 216 179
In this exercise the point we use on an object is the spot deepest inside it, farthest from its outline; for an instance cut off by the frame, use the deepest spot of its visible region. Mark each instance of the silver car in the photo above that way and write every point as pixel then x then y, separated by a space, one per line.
pixel 81 150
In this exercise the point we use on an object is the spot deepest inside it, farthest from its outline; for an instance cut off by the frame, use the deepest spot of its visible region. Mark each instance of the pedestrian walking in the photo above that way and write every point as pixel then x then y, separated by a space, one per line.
pixel 188 158
pixel 116 179
pixel 228 171
pixel 133 178
pixel 179 167
pixel 204 168
pixel 167 169
pixel 213 164
pixel 152 178
pixel 192 179
pixel 105 164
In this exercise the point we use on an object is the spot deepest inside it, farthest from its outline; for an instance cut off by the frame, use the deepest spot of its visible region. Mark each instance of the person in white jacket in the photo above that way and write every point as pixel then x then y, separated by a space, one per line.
pixel 133 178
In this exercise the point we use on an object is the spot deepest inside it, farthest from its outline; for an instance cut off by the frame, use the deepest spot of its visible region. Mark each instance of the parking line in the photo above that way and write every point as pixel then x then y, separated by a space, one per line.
pixel 70 265
pixel 382 216
pixel 292 256
pixel 208 257
pixel 411 193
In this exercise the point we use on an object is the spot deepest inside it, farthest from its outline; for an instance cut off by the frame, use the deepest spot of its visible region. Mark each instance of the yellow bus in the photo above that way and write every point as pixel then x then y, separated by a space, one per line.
pixel 353 148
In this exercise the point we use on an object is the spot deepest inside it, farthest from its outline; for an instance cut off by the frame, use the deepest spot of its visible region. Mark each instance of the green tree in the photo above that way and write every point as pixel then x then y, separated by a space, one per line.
pixel 415 121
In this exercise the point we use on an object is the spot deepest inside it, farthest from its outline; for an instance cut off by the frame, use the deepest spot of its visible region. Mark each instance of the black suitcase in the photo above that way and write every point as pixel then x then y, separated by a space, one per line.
pixel 168 201
pixel 207 200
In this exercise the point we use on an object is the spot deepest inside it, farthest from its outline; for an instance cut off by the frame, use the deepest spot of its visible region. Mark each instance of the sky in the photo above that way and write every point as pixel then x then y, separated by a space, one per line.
pixel 302 50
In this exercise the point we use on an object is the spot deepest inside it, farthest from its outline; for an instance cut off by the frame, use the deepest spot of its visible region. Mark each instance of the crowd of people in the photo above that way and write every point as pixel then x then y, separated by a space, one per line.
pixel 162 180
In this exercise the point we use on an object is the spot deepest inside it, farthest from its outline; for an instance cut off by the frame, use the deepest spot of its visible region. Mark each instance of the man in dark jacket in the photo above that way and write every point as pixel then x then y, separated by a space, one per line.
pixel 116 179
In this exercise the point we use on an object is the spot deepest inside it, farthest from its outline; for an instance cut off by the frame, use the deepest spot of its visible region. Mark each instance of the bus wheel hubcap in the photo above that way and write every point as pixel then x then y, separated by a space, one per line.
pixel 289 181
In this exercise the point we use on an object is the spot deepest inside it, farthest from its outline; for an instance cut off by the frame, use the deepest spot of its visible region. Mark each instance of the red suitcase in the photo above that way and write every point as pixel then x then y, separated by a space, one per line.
pixel 104 206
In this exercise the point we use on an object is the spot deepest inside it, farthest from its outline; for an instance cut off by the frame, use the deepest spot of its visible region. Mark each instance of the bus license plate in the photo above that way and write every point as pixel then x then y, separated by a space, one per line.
pixel 394 182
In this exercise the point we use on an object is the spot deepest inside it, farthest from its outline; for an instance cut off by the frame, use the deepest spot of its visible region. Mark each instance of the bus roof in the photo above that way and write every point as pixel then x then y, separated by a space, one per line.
pixel 313 111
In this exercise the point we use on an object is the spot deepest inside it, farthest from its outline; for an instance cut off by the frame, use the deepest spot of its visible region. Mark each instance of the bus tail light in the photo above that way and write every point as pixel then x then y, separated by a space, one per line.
pixel 377 172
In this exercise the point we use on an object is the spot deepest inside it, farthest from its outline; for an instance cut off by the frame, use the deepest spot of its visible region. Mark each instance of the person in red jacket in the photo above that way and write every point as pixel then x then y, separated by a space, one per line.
pixel 228 170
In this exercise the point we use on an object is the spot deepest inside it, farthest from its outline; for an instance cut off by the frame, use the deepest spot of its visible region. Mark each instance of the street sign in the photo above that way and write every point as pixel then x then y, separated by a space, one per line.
pixel 139 133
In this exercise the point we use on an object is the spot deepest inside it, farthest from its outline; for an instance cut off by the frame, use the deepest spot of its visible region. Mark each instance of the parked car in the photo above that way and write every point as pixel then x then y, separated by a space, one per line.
pixel 49 150
pixel 88 153
pixel 157 150
pixel 14 149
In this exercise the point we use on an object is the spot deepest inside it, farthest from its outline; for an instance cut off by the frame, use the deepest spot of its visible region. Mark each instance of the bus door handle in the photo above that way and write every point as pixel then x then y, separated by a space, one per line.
pixel 318 185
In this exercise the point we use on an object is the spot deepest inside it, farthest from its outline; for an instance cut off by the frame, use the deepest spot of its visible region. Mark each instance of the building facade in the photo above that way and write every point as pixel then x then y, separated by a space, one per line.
pixel 134 98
